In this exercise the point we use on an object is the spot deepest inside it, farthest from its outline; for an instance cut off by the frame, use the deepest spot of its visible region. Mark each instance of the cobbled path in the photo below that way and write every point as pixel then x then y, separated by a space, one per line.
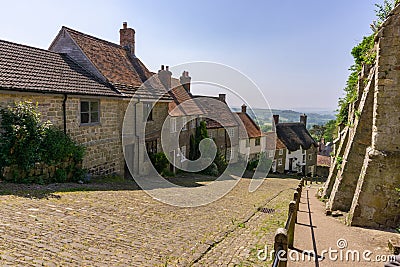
pixel 129 228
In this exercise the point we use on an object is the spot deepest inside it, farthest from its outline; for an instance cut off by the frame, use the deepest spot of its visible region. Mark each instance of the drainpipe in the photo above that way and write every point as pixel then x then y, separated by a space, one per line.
pixel 65 113
pixel 137 141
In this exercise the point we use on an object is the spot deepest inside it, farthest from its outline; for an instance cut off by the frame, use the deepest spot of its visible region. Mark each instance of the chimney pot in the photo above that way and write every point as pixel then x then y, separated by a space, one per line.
pixel 165 76
pixel 276 119
pixel 222 97
pixel 303 119
pixel 167 68
pixel 244 108
pixel 185 80
pixel 125 25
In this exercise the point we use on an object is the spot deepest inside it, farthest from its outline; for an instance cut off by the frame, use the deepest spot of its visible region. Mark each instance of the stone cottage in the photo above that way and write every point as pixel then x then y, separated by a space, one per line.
pixel 255 139
pixel 276 152
pixel 88 109
pixel 225 132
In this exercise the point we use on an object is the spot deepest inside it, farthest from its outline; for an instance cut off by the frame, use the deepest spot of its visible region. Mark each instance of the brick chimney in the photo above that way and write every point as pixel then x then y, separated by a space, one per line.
pixel 222 97
pixel 127 38
pixel 244 108
pixel 303 119
pixel 165 76
pixel 185 80
pixel 276 119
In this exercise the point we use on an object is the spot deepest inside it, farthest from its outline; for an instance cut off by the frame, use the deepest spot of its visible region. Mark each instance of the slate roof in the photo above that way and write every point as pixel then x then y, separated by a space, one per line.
pixel 183 100
pixel 253 130
pixel 25 68
pixel 126 72
pixel 295 135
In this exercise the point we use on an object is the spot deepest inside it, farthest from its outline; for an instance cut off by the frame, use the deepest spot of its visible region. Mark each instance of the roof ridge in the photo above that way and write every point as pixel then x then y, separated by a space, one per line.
pixel 91 36
pixel 31 47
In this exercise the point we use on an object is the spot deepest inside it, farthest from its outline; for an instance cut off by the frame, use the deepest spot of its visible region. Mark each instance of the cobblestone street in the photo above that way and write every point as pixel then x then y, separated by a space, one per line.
pixel 129 228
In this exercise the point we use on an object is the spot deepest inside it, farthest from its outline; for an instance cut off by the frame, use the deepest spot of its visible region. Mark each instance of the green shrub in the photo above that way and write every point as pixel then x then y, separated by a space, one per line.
pixel 252 164
pixel 159 161
pixel 21 135
pixel 58 147
pixel 211 170
pixel 221 162
pixel 25 140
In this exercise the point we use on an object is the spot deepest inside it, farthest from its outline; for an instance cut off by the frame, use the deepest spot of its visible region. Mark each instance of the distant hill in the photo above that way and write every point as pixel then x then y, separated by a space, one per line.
pixel 264 117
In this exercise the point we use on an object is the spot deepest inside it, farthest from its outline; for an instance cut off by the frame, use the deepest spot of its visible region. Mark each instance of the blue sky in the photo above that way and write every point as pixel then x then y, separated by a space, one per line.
pixel 297 52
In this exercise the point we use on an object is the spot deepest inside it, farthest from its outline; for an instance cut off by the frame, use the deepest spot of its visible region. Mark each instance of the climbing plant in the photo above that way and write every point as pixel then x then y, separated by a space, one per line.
pixel 363 53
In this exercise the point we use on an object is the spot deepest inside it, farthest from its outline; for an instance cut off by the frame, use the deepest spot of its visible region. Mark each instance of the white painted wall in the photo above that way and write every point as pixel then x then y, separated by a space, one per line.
pixel 297 157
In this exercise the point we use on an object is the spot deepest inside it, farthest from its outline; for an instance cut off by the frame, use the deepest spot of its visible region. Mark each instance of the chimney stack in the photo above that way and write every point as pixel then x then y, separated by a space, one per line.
pixel 303 119
pixel 222 97
pixel 244 108
pixel 165 76
pixel 127 38
pixel 185 80
pixel 276 119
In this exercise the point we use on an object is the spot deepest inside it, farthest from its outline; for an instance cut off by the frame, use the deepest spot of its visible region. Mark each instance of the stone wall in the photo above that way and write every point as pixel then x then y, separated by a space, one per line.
pixel 353 157
pixel 102 141
pixel 373 150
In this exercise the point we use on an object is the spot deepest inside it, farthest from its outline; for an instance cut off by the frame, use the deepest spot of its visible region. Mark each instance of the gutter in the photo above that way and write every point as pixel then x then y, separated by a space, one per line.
pixel 65 113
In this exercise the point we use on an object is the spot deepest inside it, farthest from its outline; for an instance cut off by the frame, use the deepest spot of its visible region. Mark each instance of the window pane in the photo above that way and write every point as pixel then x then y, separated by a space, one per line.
pixel 84 117
pixel 94 117
pixel 84 106
pixel 94 106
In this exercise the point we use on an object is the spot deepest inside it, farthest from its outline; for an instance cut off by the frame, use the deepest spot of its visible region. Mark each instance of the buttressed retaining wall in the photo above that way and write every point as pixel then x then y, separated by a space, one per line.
pixel 365 186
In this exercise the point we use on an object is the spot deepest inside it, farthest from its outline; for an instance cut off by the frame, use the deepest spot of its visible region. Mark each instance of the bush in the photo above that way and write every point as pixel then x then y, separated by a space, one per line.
pixel 57 147
pixel 211 170
pixel 21 135
pixel 159 161
pixel 26 141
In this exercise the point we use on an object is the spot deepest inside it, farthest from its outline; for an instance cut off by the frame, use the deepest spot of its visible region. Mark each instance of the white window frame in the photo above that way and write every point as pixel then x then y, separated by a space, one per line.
pixel 271 154
pixel 147 111
pixel 183 153
pixel 309 157
pixel 280 162
pixel 231 132
pixel 172 125
pixel 184 124
pixel 281 152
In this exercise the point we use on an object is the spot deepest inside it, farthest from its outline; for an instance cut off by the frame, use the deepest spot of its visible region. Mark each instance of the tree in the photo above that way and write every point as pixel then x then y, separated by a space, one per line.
pixel 317 131
pixel 330 131
pixel 382 12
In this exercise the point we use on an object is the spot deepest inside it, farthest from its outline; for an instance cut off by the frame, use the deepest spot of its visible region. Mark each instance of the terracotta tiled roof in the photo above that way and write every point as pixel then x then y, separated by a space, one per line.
pixel 214 108
pixel 294 136
pixel 323 160
pixel 183 100
pixel 273 142
pixel 253 131
pixel 25 68
pixel 127 73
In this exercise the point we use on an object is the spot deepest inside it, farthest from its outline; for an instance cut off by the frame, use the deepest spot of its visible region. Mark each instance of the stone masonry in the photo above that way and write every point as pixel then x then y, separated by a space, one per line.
pixel 353 157
pixel 102 141
pixel 372 156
